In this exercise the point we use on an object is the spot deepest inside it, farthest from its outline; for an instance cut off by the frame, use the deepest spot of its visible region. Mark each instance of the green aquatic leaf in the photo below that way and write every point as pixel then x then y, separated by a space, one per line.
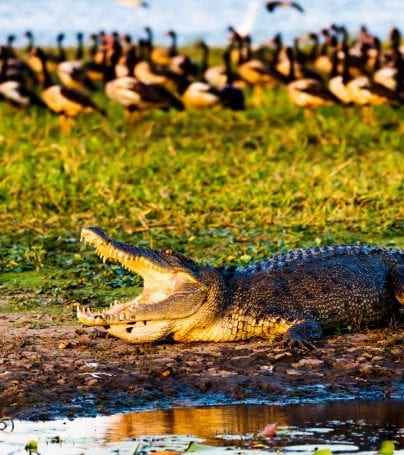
pixel 31 446
pixel 196 447
pixel 322 452
pixel 386 448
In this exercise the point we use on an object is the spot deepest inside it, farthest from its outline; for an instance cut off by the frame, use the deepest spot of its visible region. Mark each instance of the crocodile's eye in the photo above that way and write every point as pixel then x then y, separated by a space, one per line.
pixel 168 251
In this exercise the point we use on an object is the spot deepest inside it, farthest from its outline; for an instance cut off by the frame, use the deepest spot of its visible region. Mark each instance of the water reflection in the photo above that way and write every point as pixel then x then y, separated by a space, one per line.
pixel 375 420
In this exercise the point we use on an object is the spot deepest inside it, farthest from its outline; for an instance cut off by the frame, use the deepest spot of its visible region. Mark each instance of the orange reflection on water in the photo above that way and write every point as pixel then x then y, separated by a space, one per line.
pixel 207 422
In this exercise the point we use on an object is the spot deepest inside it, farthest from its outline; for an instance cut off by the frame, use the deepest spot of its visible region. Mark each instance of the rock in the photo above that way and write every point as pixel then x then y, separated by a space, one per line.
pixel 366 369
pixel 377 358
pixel 281 355
pixel 367 355
pixel 308 363
pixel 65 345
pixel 349 365
pixel 266 369
pixel 292 372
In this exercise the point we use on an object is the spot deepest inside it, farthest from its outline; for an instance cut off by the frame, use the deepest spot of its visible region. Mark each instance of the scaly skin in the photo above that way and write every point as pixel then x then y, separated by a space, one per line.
pixel 298 295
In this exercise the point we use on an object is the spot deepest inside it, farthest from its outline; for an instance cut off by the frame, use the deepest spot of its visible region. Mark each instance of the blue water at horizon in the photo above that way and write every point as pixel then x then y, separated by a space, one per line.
pixel 192 19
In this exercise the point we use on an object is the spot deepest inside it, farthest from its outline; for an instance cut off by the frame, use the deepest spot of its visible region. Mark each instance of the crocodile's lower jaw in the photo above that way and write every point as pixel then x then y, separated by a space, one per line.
pixel 141 332
pixel 120 325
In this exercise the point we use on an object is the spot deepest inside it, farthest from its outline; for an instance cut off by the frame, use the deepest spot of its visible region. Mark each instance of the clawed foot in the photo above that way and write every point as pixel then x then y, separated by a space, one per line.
pixel 295 344
pixel 301 336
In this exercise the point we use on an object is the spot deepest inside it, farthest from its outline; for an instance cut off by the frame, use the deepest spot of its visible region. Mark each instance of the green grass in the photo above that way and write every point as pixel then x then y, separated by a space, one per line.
pixel 222 187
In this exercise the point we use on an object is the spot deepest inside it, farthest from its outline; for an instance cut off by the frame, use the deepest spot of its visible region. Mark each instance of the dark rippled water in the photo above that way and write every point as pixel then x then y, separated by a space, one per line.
pixel 192 18
pixel 358 426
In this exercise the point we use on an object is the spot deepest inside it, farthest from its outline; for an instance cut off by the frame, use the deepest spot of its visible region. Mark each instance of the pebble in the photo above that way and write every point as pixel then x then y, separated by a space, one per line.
pixel 311 363
pixel 377 358
pixel 367 355
pixel 366 369
pixel 281 355
pixel 397 351
pixel 65 345
pixel 349 365
pixel 293 372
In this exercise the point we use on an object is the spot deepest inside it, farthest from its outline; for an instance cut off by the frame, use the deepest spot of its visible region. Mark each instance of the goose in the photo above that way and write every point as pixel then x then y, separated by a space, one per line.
pixel 72 73
pixel 61 50
pixel 149 72
pixel 29 35
pixel 127 61
pixel 389 55
pixel 16 69
pixel 364 90
pixel 135 95
pixel 273 5
pixel 80 46
pixel 337 84
pixel 300 69
pixel 216 76
pixel 161 55
pixel 201 94
pixel 65 101
pixel 253 71
pixel 13 89
pixel 165 62
pixel 51 59
pixel 391 75
pixel 320 59
pixel 307 93
pixel 94 68
pixel 10 48
pixel 95 53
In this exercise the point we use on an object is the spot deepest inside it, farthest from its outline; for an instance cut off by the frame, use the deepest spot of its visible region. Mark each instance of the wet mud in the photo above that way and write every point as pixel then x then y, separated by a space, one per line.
pixel 56 368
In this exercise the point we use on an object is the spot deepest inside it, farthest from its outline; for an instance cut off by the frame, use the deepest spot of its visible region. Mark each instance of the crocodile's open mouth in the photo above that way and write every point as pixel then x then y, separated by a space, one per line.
pixel 165 274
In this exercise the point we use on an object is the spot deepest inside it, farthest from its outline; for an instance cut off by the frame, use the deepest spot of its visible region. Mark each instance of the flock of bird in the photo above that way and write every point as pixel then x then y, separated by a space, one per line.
pixel 320 69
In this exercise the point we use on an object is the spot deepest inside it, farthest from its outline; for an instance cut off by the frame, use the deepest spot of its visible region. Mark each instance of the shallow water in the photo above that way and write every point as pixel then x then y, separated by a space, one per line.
pixel 342 426
pixel 192 18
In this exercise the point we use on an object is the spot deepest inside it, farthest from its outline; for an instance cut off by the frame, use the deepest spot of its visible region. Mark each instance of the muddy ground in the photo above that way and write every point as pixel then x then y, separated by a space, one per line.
pixel 52 367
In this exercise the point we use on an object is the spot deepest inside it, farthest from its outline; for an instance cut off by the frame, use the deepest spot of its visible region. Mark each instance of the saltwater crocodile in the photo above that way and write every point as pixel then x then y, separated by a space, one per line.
pixel 298 294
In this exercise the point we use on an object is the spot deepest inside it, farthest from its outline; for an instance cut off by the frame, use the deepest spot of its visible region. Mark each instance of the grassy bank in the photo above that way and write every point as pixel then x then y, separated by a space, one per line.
pixel 222 187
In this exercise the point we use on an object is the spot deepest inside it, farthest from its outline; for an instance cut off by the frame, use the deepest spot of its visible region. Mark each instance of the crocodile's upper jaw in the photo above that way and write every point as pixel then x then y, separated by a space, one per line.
pixel 162 274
